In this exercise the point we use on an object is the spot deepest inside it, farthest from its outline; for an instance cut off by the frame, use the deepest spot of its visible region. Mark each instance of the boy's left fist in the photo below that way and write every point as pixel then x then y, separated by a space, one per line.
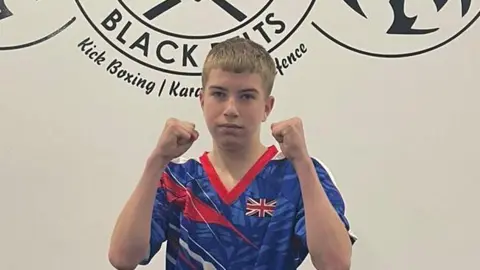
pixel 289 134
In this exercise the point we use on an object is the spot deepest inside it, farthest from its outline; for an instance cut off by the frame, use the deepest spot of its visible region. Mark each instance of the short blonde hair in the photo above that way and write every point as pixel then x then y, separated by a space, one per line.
pixel 241 55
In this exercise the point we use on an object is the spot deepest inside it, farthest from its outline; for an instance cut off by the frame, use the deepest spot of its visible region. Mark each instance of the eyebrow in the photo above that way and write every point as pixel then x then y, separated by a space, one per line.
pixel 247 90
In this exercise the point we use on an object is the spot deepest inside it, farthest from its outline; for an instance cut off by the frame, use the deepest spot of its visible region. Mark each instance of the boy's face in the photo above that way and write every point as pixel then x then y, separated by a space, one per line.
pixel 234 106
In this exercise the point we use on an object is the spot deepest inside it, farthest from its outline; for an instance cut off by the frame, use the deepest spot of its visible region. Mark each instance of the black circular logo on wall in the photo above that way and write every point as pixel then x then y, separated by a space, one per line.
pixel 395 28
pixel 25 24
pixel 167 36
pixel 170 37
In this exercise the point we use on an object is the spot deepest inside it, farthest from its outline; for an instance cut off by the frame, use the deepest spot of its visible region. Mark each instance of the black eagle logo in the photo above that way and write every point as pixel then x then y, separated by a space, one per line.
pixel 402 24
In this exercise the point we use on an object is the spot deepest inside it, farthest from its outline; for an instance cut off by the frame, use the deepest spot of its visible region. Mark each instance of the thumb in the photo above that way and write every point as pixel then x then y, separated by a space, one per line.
pixel 194 135
pixel 277 132
pixel 278 137
pixel 189 138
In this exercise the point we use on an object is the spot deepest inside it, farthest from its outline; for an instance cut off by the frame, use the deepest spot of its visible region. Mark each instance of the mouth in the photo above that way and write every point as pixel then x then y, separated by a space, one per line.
pixel 230 126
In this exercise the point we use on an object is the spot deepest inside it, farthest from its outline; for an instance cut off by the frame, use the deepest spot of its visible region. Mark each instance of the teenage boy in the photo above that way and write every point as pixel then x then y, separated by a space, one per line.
pixel 242 205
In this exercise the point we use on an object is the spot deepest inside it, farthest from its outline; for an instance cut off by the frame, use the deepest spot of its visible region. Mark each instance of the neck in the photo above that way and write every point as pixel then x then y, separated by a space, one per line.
pixel 237 159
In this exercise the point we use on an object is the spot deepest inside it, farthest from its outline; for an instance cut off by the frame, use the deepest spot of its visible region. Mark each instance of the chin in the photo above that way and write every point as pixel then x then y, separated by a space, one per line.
pixel 230 143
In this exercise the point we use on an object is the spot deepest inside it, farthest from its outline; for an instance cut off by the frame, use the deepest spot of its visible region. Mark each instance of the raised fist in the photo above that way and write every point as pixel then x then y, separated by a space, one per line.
pixel 289 134
pixel 177 137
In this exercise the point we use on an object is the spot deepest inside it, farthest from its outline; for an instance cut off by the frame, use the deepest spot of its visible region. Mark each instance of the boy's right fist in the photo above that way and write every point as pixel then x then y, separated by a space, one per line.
pixel 177 137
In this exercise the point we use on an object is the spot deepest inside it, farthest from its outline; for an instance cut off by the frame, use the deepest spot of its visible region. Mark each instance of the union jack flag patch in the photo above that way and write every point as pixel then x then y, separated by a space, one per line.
pixel 260 207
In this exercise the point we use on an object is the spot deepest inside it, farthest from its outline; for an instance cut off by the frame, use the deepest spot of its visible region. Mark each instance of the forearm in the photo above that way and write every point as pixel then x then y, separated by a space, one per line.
pixel 327 239
pixel 131 235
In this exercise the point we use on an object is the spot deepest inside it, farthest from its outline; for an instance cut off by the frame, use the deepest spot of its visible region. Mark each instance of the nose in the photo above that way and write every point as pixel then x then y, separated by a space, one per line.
pixel 231 108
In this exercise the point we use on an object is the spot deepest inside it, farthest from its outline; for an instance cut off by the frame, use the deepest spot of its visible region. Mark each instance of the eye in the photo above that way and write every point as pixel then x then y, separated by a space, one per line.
pixel 247 96
pixel 218 94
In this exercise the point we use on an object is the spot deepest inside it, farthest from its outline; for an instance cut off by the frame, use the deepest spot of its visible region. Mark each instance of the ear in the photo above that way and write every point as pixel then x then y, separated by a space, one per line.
pixel 268 107
pixel 202 98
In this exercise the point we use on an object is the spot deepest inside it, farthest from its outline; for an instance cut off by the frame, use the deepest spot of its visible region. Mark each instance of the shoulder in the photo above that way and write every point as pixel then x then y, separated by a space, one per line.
pixel 183 161
pixel 183 169
pixel 288 176
pixel 321 168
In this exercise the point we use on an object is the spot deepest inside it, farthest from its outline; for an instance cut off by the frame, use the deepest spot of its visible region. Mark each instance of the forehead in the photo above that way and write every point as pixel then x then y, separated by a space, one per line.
pixel 231 81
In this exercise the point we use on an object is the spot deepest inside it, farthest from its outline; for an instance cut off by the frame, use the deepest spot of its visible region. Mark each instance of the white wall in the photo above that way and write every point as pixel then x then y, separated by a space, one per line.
pixel 400 134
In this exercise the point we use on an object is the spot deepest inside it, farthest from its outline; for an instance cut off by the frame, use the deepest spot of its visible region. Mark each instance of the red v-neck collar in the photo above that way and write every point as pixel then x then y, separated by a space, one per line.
pixel 230 196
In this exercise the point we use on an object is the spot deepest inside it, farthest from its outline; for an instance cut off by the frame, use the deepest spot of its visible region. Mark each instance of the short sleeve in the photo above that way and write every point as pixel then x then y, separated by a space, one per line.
pixel 160 220
pixel 335 197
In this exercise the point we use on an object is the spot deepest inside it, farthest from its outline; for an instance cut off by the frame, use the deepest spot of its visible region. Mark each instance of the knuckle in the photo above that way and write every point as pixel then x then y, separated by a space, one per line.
pixel 189 125
pixel 297 120
pixel 171 122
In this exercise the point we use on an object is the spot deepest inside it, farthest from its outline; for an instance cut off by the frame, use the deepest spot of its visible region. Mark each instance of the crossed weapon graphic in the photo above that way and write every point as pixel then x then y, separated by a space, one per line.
pixel 168 4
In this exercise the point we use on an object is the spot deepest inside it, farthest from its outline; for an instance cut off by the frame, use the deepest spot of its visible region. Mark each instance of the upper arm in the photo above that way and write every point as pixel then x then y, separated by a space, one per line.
pixel 335 198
